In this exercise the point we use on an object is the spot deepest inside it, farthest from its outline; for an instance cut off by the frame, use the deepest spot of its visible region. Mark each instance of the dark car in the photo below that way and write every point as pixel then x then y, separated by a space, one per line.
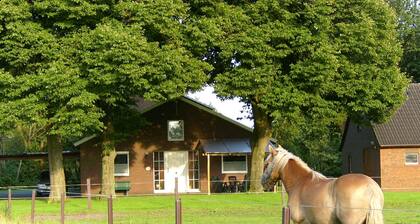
pixel 43 186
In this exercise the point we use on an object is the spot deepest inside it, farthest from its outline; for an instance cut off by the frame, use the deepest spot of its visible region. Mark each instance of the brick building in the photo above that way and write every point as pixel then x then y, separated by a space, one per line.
pixel 184 138
pixel 387 152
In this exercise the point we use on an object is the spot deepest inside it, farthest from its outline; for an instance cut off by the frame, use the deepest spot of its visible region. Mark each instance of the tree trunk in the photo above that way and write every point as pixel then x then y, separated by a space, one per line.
pixel 261 135
pixel 18 171
pixel 108 157
pixel 55 162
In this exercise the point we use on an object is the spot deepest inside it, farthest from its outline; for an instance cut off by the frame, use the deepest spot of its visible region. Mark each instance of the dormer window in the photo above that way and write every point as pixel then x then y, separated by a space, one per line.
pixel 176 130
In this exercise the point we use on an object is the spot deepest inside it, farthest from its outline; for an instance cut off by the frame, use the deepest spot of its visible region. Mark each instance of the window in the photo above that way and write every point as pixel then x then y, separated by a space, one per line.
pixel 158 171
pixel 121 164
pixel 234 164
pixel 193 170
pixel 176 130
pixel 411 158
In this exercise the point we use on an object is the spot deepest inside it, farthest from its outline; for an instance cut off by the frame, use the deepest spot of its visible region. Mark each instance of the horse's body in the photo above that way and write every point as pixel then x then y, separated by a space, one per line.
pixel 315 199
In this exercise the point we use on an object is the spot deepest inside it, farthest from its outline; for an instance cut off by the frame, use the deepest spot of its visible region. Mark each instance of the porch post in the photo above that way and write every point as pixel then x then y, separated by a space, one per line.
pixel 208 174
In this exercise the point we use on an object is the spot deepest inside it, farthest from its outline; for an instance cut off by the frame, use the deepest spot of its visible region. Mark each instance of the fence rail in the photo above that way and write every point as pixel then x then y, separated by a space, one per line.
pixel 178 208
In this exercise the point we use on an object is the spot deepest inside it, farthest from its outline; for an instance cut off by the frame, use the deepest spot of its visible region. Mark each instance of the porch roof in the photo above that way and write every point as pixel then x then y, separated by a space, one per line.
pixel 228 146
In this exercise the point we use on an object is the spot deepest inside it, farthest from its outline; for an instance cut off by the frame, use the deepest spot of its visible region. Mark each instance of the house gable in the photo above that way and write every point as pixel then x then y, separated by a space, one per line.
pixel 356 139
pixel 199 122
pixel 147 107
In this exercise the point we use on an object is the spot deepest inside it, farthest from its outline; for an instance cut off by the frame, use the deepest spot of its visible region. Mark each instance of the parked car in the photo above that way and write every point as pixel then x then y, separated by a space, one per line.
pixel 43 186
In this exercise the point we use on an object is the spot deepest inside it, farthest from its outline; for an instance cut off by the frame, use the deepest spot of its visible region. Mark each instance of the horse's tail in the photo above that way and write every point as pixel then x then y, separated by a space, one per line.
pixel 374 215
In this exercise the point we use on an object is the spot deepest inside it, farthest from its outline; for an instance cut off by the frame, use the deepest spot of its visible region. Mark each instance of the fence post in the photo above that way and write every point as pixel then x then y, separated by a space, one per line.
pixel 110 215
pixel 179 211
pixel 285 215
pixel 178 208
pixel 285 209
pixel 62 207
pixel 9 202
pixel 33 207
pixel 89 196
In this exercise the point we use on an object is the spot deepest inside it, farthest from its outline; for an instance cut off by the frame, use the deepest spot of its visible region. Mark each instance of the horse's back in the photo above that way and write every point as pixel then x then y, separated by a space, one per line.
pixel 358 198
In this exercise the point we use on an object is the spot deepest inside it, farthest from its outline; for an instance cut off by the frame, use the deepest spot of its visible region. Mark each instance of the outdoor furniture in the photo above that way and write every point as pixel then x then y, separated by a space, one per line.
pixel 216 185
pixel 122 186
pixel 233 184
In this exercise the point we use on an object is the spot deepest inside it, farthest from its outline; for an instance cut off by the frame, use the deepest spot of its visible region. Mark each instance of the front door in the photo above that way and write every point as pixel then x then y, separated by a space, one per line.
pixel 176 165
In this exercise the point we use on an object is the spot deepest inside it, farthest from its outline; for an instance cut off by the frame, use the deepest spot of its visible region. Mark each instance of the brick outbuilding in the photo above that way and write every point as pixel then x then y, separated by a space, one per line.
pixel 387 152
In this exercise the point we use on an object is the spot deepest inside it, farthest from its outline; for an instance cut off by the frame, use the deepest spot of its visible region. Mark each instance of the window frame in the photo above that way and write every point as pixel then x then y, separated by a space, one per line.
pixel 195 153
pixel 233 171
pixel 128 164
pixel 183 131
pixel 410 163
pixel 161 159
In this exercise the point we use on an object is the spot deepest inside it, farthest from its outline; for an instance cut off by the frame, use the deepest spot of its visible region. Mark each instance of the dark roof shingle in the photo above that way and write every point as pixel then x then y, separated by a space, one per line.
pixel 403 129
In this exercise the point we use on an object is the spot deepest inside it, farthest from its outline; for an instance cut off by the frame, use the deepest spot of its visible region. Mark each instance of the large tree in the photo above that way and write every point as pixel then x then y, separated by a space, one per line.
pixel 124 49
pixel 75 66
pixel 120 63
pixel 39 86
pixel 301 59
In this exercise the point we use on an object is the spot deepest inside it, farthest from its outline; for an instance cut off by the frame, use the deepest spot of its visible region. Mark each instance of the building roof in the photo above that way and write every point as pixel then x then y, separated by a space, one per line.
pixel 403 129
pixel 145 106
pixel 229 146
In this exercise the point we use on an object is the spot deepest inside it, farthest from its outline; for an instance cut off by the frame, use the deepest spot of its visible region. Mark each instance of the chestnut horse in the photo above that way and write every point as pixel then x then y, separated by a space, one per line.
pixel 314 198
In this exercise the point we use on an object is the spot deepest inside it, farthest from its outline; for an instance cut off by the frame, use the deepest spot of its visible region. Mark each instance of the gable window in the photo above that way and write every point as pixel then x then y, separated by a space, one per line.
pixel 411 158
pixel 234 164
pixel 121 164
pixel 176 130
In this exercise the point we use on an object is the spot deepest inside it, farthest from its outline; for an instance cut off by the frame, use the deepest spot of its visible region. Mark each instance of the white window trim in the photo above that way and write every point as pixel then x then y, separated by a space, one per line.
pixel 183 132
pixel 128 164
pixel 154 179
pixel 198 178
pixel 411 153
pixel 246 165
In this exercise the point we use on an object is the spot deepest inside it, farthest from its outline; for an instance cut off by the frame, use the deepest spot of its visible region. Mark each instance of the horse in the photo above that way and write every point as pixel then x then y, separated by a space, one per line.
pixel 316 199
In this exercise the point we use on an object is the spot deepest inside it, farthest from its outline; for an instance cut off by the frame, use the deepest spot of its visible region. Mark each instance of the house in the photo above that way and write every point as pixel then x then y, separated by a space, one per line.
pixel 184 138
pixel 387 152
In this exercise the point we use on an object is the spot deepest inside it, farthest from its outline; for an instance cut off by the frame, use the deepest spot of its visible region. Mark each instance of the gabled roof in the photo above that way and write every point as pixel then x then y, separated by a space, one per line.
pixel 403 129
pixel 213 112
pixel 145 106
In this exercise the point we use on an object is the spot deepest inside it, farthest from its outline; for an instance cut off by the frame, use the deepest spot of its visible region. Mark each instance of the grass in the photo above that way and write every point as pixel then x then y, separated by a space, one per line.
pixel 401 207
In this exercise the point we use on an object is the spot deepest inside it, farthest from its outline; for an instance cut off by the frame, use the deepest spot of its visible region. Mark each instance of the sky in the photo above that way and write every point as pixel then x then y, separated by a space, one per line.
pixel 229 108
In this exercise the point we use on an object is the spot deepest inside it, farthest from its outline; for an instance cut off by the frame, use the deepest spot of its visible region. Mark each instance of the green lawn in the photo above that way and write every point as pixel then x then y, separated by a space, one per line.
pixel 223 208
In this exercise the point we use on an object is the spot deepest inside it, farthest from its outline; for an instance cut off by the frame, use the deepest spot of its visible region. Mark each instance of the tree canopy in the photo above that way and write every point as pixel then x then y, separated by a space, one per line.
pixel 294 60
pixel 75 66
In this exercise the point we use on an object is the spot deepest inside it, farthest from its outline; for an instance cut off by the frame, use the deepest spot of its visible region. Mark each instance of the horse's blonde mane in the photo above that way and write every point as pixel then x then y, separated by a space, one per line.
pixel 282 158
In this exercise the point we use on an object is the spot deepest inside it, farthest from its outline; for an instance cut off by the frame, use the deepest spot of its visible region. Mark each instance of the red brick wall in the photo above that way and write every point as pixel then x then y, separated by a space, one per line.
pixel 198 124
pixel 395 174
